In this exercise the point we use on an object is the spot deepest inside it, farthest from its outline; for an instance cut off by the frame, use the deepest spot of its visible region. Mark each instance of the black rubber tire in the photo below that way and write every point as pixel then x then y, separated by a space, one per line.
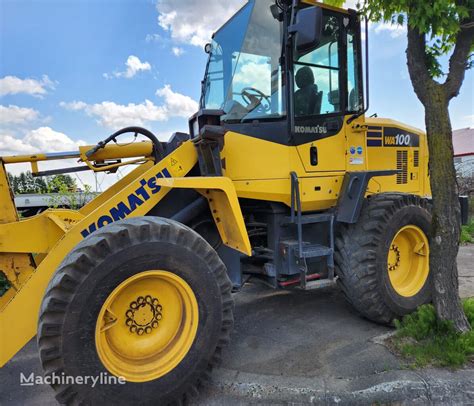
pixel 362 251
pixel 87 276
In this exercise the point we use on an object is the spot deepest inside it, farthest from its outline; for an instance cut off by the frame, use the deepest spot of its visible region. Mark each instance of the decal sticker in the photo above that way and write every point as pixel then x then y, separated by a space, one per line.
pixel 396 137
pixel 374 143
pixel 360 150
pixel 353 151
pixel 356 161
pixel 318 129
pixel 146 188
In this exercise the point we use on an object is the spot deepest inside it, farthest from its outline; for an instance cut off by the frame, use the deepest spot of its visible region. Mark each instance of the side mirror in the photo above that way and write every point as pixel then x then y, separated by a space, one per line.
pixel 308 29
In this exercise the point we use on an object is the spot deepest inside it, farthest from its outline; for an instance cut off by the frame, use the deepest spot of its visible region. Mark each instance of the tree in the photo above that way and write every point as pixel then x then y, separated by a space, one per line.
pixel 25 183
pixel 437 29
pixel 61 183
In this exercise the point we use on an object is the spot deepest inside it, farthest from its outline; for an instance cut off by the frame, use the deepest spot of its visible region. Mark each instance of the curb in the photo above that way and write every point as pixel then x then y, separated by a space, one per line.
pixel 401 387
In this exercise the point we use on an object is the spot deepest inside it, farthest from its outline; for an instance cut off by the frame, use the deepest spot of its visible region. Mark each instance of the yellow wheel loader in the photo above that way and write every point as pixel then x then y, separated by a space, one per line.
pixel 282 177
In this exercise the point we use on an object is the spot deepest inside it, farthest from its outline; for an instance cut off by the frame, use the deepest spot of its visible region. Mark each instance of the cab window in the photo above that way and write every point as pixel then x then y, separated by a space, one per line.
pixel 317 74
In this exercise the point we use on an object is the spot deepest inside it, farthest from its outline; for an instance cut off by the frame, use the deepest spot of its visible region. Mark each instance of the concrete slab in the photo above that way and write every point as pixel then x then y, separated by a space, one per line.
pixel 299 348
pixel 466 270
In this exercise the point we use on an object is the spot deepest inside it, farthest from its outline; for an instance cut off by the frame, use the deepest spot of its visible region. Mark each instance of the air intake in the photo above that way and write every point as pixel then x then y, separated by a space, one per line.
pixel 416 159
pixel 402 167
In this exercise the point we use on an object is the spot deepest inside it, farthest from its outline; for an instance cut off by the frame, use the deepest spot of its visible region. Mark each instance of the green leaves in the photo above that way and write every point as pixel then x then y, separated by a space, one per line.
pixel 439 20
pixel 27 183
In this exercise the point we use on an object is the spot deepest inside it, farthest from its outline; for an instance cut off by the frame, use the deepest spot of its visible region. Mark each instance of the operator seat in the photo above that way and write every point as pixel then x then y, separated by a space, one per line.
pixel 307 98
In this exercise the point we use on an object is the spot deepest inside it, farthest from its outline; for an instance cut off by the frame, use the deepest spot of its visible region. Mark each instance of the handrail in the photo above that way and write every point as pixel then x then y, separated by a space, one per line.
pixel 295 195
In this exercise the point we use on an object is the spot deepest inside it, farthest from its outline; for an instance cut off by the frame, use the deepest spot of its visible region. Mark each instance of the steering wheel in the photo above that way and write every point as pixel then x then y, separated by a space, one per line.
pixel 254 97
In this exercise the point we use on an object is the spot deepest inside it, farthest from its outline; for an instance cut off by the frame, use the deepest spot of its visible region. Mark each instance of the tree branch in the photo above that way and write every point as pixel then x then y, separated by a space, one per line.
pixel 417 67
pixel 459 59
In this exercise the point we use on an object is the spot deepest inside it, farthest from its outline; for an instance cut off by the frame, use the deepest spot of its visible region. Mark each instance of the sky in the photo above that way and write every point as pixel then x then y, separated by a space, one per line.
pixel 73 72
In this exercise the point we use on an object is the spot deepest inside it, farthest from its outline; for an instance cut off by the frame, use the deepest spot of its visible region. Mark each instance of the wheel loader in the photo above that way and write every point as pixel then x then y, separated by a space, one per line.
pixel 282 177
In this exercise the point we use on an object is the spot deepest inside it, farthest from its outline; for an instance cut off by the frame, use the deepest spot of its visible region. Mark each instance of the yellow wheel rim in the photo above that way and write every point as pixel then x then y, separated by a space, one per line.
pixel 408 261
pixel 146 326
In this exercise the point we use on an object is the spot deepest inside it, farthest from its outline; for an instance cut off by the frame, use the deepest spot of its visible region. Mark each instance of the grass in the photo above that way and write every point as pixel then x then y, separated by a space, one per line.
pixel 467 233
pixel 425 341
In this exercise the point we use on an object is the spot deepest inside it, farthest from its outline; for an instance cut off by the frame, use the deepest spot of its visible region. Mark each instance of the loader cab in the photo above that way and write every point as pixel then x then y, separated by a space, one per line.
pixel 270 77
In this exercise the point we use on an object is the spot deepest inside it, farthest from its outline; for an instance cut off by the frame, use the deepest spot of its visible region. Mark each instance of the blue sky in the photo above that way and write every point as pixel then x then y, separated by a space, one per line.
pixel 65 79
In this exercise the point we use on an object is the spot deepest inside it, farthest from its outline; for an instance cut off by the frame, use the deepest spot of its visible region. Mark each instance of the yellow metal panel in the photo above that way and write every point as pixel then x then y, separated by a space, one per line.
pixel 7 204
pixel 382 158
pixel 251 158
pixel 274 190
pixel 331 155
pixel 222 197
pixel 38 234
pixel 139 196
pixel 18 268
pixel 356 137
pixel 319 193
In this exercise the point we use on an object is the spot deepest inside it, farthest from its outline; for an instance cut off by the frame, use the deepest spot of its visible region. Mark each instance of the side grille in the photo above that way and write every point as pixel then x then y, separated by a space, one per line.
pixel 416 159
pixel 402 167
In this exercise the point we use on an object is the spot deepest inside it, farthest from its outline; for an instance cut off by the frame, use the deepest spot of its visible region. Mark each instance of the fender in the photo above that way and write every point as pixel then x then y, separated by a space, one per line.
pixel 353 191
pixel 224 204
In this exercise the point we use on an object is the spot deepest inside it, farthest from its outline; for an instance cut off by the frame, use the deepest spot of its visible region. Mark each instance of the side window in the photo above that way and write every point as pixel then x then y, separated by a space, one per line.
pixel 317 75
pixel 353 85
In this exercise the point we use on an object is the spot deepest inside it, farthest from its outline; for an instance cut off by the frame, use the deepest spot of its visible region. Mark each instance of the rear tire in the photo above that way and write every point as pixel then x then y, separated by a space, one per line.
pixel 379 279
pixel 110 261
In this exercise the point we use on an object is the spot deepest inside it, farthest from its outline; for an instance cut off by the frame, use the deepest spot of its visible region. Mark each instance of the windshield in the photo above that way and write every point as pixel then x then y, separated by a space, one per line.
pixel 244 77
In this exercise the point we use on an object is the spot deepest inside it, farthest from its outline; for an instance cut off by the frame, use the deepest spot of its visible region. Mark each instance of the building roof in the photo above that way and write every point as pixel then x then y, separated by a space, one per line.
pixel 463 142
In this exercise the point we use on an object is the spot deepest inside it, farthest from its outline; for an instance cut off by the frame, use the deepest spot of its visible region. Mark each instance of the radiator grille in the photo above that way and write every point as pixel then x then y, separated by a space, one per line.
pixel 402 167
pixel 416 159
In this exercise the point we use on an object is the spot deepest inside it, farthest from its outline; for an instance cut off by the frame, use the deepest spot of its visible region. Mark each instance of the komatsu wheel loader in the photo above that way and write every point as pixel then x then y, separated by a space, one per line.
pixel 282 177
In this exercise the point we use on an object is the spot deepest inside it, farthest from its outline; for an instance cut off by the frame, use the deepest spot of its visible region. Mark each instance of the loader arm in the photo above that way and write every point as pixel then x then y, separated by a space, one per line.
pixel 37 246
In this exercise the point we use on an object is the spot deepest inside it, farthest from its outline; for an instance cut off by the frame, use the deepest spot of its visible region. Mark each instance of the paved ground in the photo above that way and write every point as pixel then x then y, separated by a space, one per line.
pixel 299 348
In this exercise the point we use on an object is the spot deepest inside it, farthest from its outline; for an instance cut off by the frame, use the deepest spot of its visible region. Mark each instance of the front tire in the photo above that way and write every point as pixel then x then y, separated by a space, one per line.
pixel 146 299
pixel 383 261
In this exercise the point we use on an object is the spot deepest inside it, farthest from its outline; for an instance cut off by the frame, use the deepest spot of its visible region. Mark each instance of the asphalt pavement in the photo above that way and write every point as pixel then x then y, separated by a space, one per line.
pixel 291 347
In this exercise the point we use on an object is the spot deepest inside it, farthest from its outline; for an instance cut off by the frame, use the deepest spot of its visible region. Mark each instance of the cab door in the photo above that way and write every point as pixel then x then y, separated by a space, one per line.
pixel 318 100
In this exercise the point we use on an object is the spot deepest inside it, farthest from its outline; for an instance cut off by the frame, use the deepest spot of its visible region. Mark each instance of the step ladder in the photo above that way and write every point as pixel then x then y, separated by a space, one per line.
pixel 303 250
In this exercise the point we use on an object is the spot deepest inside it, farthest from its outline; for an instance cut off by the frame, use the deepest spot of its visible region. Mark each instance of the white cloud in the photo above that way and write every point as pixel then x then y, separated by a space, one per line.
pixel 177 104
pixel 43 139
pixel 179 18
pixel 112 115
pixel 133 66
pixel 177 51
pixel 395 30
pixel 254 73
pixel 34 87
pixel 17 115
pixel 153 38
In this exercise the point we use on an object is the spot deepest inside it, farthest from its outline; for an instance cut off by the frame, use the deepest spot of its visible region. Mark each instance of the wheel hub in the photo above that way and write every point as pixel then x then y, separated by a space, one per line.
pixel 143 315
pixel 408 261
pixel 394 258
pixel 134 338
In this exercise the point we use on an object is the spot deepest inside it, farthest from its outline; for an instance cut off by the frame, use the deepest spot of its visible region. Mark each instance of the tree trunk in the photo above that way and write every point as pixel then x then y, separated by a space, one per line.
pixel 446 225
